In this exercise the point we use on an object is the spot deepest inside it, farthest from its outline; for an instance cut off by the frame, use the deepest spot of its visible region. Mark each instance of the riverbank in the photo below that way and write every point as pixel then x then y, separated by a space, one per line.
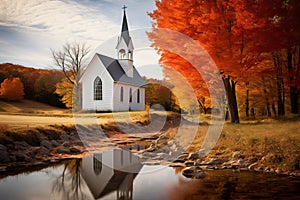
pixel 268 146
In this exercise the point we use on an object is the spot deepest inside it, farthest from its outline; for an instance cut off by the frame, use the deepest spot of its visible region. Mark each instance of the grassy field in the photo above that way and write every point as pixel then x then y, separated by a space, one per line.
pixel 30 114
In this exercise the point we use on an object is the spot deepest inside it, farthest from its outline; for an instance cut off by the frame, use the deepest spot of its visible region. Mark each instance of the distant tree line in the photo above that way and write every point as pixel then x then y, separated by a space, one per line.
pixel 52 87
pixel 18 82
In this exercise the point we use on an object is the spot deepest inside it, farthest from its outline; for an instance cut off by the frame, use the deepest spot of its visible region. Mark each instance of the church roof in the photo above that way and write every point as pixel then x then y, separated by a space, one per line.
pixel 125 31
pixel 118 74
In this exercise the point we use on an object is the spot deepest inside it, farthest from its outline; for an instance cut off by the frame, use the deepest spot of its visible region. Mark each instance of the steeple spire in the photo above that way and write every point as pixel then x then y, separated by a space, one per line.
pixel 125 31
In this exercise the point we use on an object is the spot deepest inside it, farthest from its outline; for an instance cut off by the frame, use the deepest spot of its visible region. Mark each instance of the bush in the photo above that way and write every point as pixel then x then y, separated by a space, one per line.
pixel 12 89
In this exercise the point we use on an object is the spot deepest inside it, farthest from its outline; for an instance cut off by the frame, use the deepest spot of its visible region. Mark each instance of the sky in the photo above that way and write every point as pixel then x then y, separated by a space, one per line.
pixel 29 29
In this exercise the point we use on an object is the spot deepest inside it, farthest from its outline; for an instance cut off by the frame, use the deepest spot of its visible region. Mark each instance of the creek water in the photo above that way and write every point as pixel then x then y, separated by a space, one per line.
pixel 119 175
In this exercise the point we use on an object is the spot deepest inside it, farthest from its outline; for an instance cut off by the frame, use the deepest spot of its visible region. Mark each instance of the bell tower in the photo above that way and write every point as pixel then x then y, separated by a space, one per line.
pixel 125 47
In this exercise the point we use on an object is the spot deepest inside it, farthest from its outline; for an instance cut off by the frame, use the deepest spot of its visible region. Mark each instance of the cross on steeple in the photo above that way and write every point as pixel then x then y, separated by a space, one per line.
pixel 124 7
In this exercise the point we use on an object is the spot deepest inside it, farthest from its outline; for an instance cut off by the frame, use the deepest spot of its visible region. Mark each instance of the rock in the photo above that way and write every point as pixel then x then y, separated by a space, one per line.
pixel 20 145
pixel 4 156
pixel 242 163
pixel 238 155
pixel 253 160
pixel 178 161
pixel 149 154
pixel 46 144
pixel 78 142
pixel 189 171
pixel 193 172
pixel 22 157
pixel 183 156
pixel 3 168
pixel 3 148
pixel 201 153
pixel 74 150
pixel 189 163
pixel 54 143
pixel 161 141
pixel 216 161
pixel 62 150
pixel 44 151
pixel 64 137
pixel 278 171
pixel 252 166
pixel 200 175
pixel 258 169
pixel 193 156
pixel 66 144
pixel 176 165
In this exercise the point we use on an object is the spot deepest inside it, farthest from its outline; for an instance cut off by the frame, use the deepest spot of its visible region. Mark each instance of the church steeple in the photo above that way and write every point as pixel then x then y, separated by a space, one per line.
pixel 124 24
pixel 125 47
pixel 125 31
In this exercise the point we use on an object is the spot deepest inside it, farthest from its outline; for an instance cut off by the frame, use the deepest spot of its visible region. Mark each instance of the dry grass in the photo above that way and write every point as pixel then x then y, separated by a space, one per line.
pixel 30 107
pixel 33 136
pixel 275 142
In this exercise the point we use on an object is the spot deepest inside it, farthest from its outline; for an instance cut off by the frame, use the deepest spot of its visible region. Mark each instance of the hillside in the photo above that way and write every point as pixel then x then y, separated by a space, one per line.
pixel 30 107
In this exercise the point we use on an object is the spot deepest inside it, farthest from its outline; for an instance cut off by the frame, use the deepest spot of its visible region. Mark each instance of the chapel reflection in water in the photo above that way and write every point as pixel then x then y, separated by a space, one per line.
pixel 107 174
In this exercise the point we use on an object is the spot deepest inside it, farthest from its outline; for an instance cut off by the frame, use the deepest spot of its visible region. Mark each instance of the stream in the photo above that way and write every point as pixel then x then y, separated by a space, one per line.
pixel 119 174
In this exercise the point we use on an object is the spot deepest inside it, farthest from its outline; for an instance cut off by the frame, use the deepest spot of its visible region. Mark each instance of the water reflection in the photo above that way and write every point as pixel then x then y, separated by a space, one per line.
pixel 118 174
pixel 111 172
pixel 69 184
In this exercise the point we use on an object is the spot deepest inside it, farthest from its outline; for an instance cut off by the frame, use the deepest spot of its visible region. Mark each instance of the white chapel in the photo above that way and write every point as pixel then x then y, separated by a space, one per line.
pixel 113 84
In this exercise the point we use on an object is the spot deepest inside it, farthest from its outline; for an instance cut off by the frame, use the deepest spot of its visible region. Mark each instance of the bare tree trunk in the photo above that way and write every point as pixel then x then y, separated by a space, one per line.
pixel 274 109
pixel 269 114
pixel 294 92
pixel 231 98
pixel 247 104
pixel 279 84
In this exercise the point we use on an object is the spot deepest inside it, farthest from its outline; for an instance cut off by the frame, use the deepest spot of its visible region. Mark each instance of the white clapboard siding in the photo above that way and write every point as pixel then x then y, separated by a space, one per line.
pixel 96 69
pixel 125 105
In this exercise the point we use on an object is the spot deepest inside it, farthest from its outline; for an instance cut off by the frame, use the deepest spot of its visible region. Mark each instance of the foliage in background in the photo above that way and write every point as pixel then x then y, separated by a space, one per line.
pixel 65 90
pixel 39 84
pixel 12 89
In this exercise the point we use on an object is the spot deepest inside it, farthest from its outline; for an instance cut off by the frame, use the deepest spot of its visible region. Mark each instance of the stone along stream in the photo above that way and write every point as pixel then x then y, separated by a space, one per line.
pixel 119 174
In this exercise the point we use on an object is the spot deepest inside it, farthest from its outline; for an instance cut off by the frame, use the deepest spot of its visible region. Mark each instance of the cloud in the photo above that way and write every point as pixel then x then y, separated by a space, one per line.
pixel 30 28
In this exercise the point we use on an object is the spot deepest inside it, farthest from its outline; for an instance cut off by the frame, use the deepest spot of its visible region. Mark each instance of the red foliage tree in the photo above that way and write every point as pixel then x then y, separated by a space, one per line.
pixel 12 89
pixel 235 33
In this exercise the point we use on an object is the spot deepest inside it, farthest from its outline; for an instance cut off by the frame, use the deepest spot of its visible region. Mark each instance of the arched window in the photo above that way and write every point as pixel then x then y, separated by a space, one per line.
pixel 130 55
pixel 130 95
pixel 122 94
pixel 98 89
pixel 122 54
pixel 122 158
pixel 138 96
pixel 97 163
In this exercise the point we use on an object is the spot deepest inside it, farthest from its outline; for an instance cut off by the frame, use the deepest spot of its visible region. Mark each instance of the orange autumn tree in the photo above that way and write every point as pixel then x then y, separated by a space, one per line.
pixel 12 89
pixel 233 32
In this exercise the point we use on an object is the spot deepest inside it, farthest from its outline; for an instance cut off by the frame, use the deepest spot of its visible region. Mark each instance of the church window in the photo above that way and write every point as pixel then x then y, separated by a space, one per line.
pixel 130 95
pixel 138 96
pixel 122 54
pixel 98 89
pixel 97 163
pixel 130 55
pixel 122 94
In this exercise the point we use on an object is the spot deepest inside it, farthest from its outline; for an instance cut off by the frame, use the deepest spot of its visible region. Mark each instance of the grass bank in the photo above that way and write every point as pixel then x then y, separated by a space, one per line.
pixel 272 143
